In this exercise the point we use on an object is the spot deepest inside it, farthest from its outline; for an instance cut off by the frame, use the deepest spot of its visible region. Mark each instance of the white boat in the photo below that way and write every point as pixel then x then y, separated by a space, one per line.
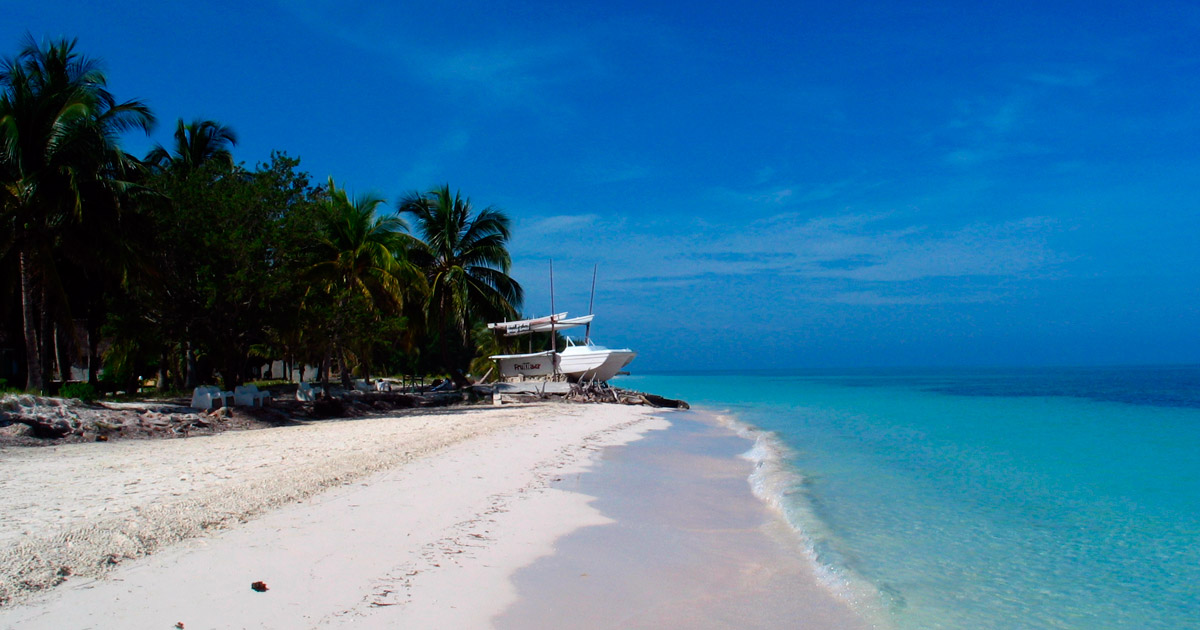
pixel 590 362
pixel 532 364
pixel 526 365
pixel 540 324
pixel 524 326
pixel 586 361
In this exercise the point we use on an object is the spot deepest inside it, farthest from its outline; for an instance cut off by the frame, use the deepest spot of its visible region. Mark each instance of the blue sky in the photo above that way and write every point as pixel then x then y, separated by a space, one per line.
pixel 810 185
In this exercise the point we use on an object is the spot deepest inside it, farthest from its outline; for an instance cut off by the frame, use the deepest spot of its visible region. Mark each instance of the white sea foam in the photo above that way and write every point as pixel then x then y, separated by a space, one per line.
pixel 782 488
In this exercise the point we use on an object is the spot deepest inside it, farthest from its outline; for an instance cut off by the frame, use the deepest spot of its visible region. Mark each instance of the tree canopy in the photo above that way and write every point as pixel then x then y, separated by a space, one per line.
pixel 195 267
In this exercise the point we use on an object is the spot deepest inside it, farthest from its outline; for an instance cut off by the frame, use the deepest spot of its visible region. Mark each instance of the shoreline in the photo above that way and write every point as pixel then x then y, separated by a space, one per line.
pixel 688 544
pixel 460 517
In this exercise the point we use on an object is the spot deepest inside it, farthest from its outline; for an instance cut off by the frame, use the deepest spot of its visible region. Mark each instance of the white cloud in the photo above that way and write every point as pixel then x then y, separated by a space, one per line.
pixel 512 70
pixel 1006 249
pixel 878 298
pixel 511 73
pixel 563 223
pixel 844 258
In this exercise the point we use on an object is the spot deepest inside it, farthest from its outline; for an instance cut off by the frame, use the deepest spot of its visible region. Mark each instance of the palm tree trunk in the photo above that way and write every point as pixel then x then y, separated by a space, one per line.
pixel 337 343
pixel 192 379
pixel 452 356
pixel 62 347
pixel 33 357
pixel 444 343
pixel 93 342
pixel 342 365
pixel 457 373
pixel 323 371
pixel 161 384
pixel 46 337
pixel 178 366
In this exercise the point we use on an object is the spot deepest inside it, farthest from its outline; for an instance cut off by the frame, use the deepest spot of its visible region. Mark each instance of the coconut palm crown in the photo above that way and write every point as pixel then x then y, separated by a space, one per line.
pixel 196 143
pixel 358 253
pixel 356 248
pixel 59 155
pixel 464 255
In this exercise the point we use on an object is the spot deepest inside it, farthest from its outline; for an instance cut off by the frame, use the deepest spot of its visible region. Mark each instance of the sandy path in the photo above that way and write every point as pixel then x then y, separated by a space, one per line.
pixel 482 505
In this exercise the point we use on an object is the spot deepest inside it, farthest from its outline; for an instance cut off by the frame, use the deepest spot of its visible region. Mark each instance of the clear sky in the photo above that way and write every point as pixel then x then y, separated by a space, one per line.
pixel 807 184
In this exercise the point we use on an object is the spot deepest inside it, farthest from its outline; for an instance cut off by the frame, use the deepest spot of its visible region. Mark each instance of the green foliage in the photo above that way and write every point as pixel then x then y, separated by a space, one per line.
pixel 197 143
pixel 227 245
pixel 360 276
pixel 464 255
pixel 188 264
pixel 62 178
pixel 265 383
pixel 82 391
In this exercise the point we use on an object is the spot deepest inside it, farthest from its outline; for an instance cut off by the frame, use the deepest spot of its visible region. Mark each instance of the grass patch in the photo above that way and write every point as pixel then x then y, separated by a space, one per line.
pixel 83 391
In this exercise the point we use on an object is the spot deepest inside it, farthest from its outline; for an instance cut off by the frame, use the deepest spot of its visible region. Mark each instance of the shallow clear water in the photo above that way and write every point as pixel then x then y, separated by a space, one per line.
pixel 1042 498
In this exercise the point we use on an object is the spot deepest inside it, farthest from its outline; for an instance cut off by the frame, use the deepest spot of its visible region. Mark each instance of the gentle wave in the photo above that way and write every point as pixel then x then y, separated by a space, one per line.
pixel 781 488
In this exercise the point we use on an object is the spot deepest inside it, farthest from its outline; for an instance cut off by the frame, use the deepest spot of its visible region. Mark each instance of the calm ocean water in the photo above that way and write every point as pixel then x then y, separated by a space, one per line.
pixel 979 499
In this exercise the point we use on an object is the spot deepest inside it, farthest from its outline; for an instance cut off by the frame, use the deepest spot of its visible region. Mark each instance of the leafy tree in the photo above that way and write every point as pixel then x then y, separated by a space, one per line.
pixel 60 158
pixel 198 264
pixel 464 255
pixel 227 248
pixel 202 148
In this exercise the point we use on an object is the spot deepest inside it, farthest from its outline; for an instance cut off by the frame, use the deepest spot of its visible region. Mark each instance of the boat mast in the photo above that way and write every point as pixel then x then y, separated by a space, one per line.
pixel 587 331
pixel 553 340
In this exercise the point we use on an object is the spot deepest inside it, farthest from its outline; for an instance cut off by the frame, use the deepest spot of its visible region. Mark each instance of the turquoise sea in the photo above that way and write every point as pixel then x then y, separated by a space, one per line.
pixel 981 498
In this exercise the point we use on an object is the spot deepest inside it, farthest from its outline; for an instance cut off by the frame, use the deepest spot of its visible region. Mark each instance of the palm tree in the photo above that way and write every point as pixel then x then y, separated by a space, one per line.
pixel 196 143
pixel 464 255
pixel 359 257
pixel 58 145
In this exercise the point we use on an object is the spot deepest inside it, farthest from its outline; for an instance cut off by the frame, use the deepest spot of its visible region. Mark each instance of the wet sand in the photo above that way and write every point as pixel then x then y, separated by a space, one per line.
pixel 689 546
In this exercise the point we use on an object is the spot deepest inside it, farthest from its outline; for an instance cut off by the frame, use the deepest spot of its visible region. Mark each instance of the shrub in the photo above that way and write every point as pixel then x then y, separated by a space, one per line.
pixel 82 391
pixel 265 383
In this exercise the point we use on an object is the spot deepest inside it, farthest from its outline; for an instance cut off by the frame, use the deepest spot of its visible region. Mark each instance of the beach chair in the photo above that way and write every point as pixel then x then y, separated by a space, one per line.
pixel 306 392
pixel 206 397
pixel 249 396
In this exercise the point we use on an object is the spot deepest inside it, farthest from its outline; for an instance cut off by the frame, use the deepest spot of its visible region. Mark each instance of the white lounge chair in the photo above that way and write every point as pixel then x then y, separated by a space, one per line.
pixel 249 396
pixel 306 392
pixel 206 397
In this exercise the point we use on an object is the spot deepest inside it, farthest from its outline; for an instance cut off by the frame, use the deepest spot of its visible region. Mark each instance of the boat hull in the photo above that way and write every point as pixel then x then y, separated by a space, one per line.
pixel 536 364
pixel 594 365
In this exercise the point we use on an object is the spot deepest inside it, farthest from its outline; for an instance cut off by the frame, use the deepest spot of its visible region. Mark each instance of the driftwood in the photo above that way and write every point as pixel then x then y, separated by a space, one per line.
pixel 658 401
pixel 603 394
pixel 47 428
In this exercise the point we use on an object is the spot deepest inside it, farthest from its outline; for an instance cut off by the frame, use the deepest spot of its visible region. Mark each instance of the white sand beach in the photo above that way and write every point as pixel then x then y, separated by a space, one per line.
pixel 408 521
